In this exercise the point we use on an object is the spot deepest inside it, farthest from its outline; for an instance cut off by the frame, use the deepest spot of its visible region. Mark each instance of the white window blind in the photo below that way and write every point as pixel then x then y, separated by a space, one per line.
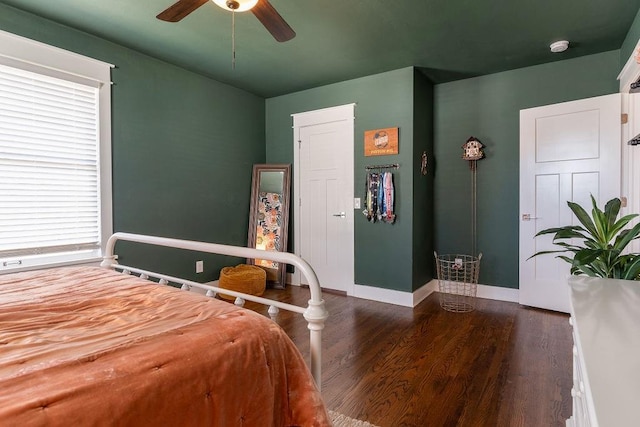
pixel 49 164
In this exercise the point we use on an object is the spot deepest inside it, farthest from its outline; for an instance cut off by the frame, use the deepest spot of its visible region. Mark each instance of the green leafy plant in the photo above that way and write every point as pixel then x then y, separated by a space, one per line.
pixel 604 238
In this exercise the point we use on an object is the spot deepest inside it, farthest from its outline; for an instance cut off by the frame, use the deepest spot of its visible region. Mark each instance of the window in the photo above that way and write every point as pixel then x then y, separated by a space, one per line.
pixel 55 166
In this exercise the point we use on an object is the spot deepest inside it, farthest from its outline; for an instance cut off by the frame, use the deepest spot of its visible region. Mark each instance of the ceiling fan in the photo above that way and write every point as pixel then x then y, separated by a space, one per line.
pixel 262 9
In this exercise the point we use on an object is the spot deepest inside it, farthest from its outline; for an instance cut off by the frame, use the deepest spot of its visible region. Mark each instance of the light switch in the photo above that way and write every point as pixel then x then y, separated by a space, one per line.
pixel 356 203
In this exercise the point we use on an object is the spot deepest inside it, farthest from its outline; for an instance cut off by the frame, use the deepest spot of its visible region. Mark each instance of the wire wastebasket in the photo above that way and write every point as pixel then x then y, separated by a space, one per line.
pixel 457 281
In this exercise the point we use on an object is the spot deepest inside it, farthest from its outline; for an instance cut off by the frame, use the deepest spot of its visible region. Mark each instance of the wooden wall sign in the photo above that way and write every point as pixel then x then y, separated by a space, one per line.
pixel 381 142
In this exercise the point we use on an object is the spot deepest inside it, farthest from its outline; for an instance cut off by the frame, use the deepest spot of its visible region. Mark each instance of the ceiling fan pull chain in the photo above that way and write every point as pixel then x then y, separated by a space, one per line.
pixel 233 39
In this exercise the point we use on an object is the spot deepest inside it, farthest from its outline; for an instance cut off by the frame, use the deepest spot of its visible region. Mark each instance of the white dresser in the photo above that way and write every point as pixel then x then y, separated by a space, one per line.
pixel 605 315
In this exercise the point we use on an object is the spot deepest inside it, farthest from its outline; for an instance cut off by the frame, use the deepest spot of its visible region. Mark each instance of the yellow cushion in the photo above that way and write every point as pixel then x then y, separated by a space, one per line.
pixel 248 279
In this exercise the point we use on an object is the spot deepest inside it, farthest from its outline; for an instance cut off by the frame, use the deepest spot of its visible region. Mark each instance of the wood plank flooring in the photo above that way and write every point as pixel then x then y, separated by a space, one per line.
pixel 501 365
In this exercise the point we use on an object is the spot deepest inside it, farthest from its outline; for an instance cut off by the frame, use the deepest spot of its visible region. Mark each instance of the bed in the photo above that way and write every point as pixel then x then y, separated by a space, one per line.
pixel 94 346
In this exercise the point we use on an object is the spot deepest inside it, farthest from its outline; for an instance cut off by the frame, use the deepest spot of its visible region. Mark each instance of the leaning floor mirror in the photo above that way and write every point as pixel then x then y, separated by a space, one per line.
pixel 269 217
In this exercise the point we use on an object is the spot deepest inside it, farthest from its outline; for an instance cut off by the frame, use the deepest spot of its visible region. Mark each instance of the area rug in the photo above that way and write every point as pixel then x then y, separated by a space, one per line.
pixel 340 420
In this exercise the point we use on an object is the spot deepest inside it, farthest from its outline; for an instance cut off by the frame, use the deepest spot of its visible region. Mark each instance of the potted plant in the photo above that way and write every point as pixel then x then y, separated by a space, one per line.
pixel 604 238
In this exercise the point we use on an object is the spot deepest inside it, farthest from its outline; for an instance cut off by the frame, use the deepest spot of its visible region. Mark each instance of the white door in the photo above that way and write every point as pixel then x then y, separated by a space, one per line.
pixel 568 151
pixel 324 208
pixel 631 162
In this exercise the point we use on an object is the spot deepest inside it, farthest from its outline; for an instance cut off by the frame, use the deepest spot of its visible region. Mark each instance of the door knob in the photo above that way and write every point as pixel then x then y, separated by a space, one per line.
pixel 341 214
pixel 528 217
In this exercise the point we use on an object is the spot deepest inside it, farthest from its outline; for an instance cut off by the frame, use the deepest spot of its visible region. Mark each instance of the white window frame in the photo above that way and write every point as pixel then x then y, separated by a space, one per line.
pixel 30 55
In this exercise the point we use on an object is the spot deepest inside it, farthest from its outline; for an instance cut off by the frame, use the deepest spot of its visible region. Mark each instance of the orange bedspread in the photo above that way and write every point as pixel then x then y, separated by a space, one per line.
pixel 90 346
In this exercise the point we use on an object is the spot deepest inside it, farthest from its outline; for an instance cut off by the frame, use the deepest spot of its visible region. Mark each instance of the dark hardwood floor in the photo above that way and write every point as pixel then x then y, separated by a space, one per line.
pixel 501 365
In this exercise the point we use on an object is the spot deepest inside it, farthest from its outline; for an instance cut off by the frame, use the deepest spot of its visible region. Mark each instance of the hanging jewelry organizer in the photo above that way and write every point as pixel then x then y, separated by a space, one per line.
pixel 380 167
pixel 379 196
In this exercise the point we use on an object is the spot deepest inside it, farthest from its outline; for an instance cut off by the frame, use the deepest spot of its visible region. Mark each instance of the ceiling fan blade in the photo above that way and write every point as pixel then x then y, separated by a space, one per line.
pixel 272 21
pixel 179 10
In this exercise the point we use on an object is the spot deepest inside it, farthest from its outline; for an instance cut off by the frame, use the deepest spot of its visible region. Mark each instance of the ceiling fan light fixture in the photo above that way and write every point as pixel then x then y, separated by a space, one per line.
pixel 236 5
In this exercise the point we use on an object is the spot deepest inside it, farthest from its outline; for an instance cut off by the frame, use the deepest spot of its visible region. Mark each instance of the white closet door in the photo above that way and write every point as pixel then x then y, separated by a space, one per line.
pixel 568 152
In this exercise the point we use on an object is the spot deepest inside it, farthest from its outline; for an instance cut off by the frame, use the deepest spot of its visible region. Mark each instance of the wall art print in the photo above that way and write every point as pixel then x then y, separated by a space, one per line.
pixel 381 142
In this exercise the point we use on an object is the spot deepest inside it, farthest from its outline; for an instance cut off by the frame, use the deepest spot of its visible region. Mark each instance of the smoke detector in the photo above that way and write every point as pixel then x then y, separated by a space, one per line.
pixel 559 46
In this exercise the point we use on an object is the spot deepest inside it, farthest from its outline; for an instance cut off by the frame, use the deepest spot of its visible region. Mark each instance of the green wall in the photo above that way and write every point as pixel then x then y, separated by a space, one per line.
pixel 383 252
pixel 488 108
pixel 183 148
pixel 423 206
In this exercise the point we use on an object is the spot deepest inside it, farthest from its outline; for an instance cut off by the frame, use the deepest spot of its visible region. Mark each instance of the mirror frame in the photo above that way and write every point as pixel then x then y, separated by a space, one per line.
pixel 281 272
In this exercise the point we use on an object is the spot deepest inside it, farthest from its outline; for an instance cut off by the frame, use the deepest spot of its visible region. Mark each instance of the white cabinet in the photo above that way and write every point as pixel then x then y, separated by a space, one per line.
pixel 580 395
pixel 630 129
pixel 605 315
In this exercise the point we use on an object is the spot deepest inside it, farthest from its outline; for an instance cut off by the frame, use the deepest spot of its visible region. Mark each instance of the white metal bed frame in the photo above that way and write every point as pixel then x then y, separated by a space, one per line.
pixel 315 312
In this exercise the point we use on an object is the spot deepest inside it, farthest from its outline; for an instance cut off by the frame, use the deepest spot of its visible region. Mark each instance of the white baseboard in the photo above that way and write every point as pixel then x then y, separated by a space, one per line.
pixel 411 299
pixel 390 296
pixel 424 291
pixel 497 293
